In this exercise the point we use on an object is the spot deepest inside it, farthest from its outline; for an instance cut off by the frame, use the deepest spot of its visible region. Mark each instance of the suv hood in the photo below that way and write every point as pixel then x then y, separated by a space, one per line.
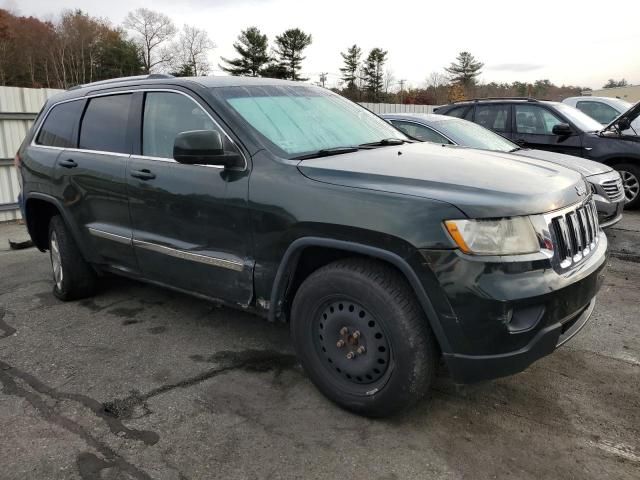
pixel 482 184
pixel 630 115
pixel 582 165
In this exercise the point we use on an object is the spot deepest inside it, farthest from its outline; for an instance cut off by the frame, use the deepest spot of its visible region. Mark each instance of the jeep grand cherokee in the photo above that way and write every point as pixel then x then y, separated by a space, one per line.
pixel 290 201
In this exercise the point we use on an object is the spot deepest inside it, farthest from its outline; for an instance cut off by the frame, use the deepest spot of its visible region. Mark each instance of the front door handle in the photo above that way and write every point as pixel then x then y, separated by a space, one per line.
pixel 143 174
pixel 68 163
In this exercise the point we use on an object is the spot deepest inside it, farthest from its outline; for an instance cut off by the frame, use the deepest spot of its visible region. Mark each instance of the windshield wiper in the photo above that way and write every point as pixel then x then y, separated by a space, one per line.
pixel 385 141
pixel 326 152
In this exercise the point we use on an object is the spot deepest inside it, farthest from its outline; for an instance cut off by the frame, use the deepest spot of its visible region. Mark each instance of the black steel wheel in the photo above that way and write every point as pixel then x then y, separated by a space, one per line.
pixel 362 337
pixel 352 341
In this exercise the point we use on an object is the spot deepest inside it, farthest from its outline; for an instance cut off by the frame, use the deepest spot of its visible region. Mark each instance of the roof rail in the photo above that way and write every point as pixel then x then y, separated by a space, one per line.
pixel 528 99
pixel 152 76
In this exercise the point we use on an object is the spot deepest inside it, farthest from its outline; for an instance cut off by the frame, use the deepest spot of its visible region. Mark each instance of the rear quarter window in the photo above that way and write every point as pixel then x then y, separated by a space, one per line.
pixel 59 125
pixel 104 125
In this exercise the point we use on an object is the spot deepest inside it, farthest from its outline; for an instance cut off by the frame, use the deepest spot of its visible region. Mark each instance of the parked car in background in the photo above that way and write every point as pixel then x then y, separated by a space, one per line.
pixel 561 128
pixel 292 202
pixel 604 110
pixel 605 182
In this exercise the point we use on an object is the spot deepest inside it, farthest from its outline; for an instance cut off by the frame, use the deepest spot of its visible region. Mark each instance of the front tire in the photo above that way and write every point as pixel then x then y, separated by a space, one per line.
pixel 73 277
pixel 390 364
pixel 630 174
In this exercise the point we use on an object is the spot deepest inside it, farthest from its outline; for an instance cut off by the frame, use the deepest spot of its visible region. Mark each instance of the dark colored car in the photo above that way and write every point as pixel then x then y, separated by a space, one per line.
pixel 561 128
pixel 605 182
pixel 292 202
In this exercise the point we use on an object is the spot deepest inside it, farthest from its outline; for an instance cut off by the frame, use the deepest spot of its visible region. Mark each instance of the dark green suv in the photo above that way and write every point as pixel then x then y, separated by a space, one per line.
pixel 288 200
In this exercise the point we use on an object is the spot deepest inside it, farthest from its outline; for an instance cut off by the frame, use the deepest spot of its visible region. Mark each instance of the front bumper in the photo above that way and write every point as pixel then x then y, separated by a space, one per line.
pixel 501 315
pixel 474 368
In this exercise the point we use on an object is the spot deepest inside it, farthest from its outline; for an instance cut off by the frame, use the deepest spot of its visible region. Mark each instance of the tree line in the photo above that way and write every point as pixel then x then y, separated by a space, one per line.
pixel 78 48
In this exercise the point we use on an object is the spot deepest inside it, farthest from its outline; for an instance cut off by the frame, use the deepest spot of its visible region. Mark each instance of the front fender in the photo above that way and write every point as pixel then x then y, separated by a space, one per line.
pixel 291 257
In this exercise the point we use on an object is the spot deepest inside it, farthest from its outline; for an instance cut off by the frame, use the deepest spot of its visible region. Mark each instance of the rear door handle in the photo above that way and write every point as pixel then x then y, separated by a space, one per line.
pixel 143 174
pixel 68 163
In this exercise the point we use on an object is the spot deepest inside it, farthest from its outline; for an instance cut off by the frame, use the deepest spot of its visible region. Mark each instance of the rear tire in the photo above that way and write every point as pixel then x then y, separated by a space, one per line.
pixel 630 174
pixel 73 277
pixel 398 357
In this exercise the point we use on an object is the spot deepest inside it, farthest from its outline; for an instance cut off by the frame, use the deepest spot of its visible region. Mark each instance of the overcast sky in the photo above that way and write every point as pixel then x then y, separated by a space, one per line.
pixel 571 42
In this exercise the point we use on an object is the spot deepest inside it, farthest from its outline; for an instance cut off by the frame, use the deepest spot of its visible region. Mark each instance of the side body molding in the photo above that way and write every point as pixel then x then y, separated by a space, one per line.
pixel 292 255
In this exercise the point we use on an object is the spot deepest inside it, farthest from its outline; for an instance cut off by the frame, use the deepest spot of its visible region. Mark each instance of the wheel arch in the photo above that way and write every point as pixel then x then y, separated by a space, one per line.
pixel 40 208
pixel 293 270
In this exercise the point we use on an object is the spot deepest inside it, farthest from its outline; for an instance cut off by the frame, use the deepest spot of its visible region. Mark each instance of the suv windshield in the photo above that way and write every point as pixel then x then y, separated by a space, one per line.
pixel 581 120
pixel 468 134
pixel 298 120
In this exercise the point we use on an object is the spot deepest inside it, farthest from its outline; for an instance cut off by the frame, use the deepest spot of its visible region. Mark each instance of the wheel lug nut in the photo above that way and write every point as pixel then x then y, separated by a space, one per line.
pixel 356 335
pixel 340 343
pixel 350 355
pixel 344 331
pixel 360 350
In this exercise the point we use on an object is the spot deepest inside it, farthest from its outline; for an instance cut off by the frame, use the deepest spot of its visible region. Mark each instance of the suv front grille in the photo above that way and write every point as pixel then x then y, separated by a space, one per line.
pixel 576 233
pixel 613 189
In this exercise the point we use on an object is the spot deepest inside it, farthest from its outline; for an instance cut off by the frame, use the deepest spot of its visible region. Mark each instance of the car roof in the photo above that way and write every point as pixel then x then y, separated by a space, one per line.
pixel 476 101
pixel 164 79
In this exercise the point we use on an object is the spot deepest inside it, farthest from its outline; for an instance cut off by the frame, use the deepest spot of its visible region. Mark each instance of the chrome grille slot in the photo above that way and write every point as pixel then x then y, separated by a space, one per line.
pixel 613 189
pixel 576 233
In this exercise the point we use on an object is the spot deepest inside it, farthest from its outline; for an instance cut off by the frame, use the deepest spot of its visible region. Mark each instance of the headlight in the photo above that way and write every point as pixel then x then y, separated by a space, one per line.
pixel 507 236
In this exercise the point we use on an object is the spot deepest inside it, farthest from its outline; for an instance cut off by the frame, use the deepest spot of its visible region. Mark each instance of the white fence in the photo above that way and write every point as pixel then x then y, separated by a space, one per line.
pixel 18 109
pixel 397 108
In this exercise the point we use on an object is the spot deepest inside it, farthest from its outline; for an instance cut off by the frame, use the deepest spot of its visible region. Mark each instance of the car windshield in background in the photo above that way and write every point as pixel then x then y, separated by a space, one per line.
pixel 300 120
pixel 469 134
pixel 581 120
pixel 620 105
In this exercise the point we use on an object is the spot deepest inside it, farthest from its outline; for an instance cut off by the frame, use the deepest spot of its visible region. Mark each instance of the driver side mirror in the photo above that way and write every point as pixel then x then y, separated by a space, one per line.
pixel 562 129
pixel 203 147
pixel 624 124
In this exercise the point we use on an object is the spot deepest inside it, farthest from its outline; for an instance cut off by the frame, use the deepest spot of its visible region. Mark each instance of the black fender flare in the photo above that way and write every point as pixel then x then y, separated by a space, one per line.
pixel 291 257
pixel 66 217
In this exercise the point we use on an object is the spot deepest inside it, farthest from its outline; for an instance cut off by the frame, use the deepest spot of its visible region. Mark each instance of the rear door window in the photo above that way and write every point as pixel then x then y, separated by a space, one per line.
pixel 57 129
pixel 104 124
pixel 493 117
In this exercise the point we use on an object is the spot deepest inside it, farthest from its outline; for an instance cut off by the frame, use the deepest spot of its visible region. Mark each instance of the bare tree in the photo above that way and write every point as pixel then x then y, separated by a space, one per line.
pixel 437 84
pixel 389 79
pixel 190 53
pixel 152 29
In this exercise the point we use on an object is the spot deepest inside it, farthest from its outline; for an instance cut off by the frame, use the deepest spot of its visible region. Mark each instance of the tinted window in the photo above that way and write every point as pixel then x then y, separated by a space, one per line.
pixel 104 125
pixel 57 130
pixel 599 111
pixel 419 132
pixel 493 117
pixel 460 112
pixel 468 134
pixel 532 119
pixel 168 114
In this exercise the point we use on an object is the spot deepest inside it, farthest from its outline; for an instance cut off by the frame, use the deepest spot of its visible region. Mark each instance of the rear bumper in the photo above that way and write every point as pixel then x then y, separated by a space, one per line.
pixel 474 368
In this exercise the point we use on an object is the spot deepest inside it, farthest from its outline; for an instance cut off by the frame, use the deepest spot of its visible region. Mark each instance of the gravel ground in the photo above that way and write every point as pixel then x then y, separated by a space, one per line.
pixel 140 383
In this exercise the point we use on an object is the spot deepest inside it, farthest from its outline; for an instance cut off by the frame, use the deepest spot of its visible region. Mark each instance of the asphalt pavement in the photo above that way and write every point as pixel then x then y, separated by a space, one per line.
pixel 140 382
